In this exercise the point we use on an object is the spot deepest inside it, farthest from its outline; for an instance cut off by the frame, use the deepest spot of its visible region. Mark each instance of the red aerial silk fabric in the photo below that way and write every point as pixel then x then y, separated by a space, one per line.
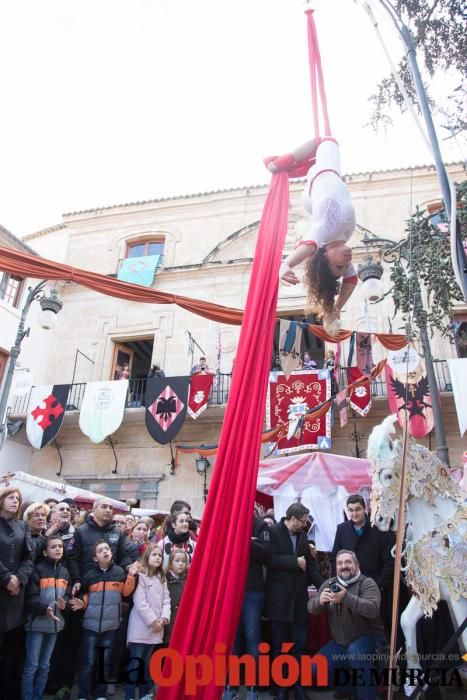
pixel 212 598
pixel 316 77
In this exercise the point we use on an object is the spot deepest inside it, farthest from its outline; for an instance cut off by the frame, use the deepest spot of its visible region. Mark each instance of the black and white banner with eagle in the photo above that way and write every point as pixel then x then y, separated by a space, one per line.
pixel 166 406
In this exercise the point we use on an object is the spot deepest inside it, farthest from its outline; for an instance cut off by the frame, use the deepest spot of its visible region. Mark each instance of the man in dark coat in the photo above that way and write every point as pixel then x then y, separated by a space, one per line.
pixel 99 526
pixel 61 525
pixel 372 546
pixel 291 570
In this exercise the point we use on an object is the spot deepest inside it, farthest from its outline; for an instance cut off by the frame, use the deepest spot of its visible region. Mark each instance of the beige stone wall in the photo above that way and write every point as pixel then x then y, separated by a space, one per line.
pixel 219 227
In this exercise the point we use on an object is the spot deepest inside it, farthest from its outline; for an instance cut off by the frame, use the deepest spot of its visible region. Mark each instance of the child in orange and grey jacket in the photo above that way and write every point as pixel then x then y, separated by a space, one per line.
pixel 46 596
pixel 102 588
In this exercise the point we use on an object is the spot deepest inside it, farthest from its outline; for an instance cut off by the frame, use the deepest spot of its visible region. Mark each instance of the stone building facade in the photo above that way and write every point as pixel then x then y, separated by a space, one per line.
pixel 208 244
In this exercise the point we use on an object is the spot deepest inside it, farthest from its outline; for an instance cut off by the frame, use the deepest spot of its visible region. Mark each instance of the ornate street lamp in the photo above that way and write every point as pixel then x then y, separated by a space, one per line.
pixel 50 306
pixel 370 272
pixel 202 466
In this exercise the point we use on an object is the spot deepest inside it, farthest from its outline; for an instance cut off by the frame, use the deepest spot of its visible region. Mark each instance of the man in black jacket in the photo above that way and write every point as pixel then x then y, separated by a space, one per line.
pixel 372 546
pixel 291 570
pixel 60 524
pixel 98 526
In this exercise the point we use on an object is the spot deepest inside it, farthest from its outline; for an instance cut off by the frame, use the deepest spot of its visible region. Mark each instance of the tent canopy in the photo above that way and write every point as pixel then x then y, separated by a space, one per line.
pixel 320 469
pixel 321 481
pixel 34 488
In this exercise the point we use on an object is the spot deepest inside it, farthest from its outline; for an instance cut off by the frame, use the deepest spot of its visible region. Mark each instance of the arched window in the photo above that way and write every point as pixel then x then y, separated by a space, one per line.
pixel 143 247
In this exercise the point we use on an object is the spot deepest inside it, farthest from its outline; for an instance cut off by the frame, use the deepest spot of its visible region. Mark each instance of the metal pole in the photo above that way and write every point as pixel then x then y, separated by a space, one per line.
pixel 406 36
pixel 440 435
pixel 425 109
pixel 14 354
pixel 440 168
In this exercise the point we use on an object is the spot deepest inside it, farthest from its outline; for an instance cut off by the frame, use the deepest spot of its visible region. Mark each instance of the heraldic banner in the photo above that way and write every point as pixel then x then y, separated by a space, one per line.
pixel 200 387
pixel 411 391
pixel 289 399
pixel 139 270
pixel 46 414
pixel 166 406
pixel 102 408
pixel 360 396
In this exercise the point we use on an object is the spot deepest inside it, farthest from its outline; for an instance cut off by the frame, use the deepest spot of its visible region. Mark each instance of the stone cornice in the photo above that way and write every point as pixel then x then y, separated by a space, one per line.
pixel 235 192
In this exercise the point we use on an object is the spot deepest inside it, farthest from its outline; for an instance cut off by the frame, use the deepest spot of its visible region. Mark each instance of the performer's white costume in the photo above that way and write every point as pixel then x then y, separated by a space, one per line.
pixel 326 198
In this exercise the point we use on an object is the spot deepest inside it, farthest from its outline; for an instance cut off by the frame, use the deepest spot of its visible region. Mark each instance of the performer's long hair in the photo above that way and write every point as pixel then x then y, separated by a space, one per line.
pixel 322 285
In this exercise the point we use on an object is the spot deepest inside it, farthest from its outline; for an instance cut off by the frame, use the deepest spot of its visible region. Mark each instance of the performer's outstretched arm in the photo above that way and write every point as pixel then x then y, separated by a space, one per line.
pixel 347 289
pixel 301 253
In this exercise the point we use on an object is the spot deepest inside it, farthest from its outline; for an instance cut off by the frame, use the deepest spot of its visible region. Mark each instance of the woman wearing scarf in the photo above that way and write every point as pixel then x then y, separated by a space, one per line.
pixel 177 537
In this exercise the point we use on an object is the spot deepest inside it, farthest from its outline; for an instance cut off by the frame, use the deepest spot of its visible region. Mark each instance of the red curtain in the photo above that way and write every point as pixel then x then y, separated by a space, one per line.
pixel 213 594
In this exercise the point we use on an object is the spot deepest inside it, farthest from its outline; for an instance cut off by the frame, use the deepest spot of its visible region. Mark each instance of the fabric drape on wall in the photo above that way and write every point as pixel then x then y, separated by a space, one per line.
pixel 213 595
pixel 387 340
pixel 26 265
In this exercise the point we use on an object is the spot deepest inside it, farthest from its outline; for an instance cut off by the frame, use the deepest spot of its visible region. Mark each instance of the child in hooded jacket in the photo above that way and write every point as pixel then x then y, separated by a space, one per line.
pixel 177 572
pixel 103 588
pixel 148 618
pixel 47 594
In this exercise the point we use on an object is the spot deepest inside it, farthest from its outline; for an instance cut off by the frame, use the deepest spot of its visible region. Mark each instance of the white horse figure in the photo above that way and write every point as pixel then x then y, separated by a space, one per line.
pixel 436 538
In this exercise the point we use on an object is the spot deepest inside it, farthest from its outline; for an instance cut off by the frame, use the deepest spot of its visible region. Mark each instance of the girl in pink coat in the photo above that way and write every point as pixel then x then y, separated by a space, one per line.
pixel 148 617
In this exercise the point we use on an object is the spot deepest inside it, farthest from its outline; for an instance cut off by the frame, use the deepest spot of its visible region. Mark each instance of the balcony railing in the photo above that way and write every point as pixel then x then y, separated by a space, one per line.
pixel 135 396
pixel 219 392
pixel 379 387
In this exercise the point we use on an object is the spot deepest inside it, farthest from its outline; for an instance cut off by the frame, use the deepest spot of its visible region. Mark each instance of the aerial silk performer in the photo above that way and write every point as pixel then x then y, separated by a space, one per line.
pixel 326 200
pixel 207 619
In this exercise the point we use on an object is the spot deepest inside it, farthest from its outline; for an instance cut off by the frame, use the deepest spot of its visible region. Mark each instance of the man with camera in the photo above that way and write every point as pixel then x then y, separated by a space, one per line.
pixel 351 602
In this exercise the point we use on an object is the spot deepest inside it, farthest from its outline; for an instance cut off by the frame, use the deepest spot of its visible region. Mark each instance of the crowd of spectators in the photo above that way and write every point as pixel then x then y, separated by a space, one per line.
pixel 80 589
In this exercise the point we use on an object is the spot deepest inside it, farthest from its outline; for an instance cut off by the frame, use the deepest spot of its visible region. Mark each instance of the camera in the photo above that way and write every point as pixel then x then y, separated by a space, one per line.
pixel 334 587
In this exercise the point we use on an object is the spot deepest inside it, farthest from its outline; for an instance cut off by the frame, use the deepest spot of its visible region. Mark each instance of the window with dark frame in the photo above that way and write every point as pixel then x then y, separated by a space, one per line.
pixel 10 289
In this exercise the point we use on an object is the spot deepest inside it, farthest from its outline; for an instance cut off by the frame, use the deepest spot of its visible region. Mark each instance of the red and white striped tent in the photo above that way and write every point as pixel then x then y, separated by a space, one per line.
pixel 321 481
